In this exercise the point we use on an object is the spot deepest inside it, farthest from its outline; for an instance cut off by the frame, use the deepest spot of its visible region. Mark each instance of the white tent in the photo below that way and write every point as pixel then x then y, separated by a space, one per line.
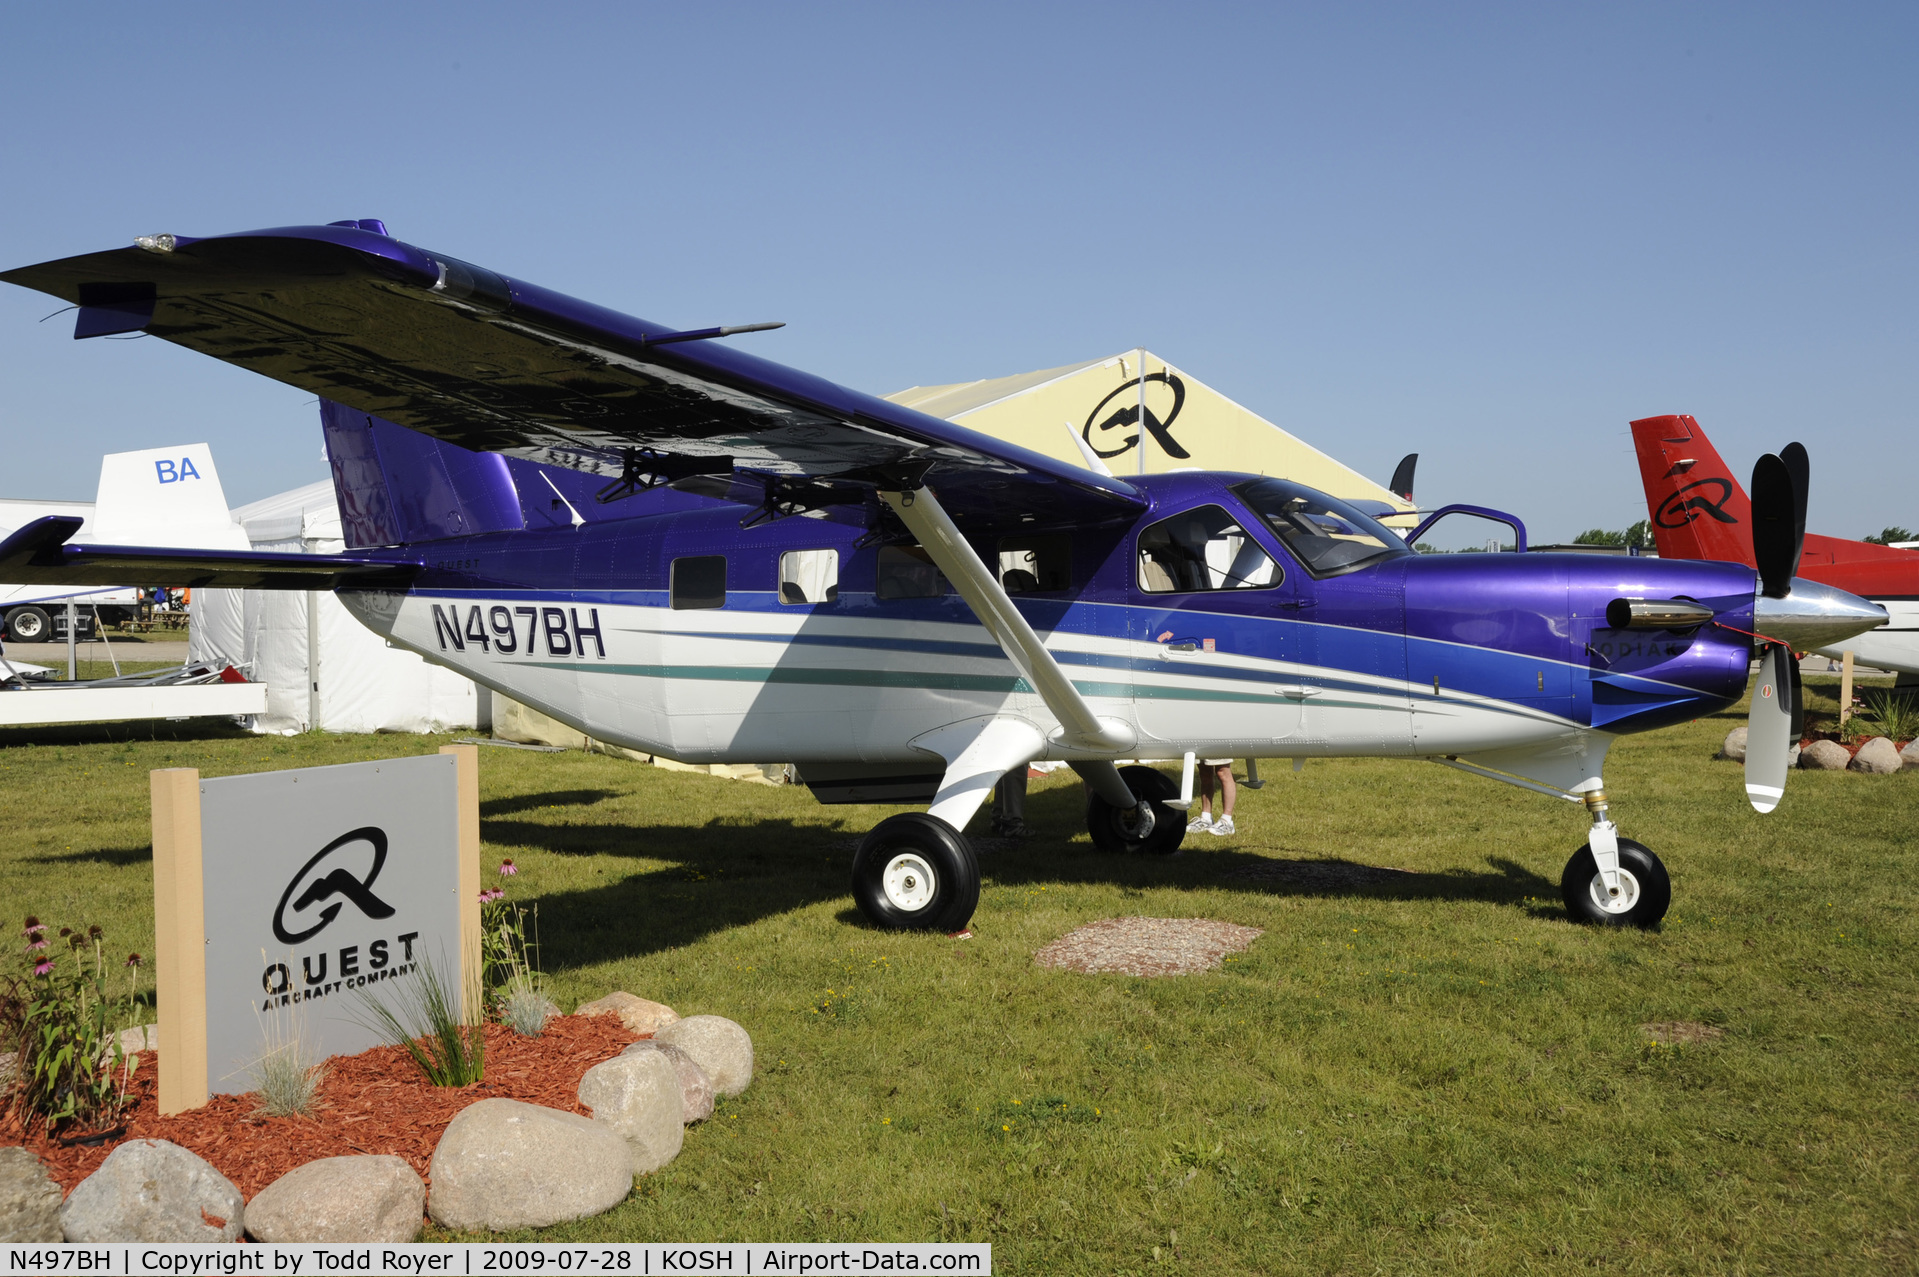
pixel 322 668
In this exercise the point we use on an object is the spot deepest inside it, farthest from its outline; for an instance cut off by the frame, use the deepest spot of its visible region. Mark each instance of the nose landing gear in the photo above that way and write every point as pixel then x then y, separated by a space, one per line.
pixel 1614 881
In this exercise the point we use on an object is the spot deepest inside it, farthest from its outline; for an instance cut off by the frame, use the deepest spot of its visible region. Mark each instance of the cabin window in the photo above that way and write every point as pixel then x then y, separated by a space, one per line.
pixel 1202 549
pixel 809 576
pixel 699 581
pixel 1028 565
pixel 907 572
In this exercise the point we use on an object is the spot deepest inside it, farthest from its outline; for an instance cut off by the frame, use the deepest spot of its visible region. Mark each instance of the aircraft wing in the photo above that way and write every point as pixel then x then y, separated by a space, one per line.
pixel 39 554
pixel 497 365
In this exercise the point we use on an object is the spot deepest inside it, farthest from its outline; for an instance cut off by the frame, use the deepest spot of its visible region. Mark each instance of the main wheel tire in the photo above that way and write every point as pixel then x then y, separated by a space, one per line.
pixel 29 625
pixel 1645 892
pixel 1116 830
pixel 915 872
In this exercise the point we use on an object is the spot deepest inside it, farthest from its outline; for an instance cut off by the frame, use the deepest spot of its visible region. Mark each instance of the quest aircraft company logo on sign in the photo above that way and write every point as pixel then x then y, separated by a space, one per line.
pixel 322 888
pixel 315 887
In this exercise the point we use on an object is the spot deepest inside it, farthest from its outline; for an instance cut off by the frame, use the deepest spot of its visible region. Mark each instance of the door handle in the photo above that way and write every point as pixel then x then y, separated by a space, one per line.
pixel 1296 692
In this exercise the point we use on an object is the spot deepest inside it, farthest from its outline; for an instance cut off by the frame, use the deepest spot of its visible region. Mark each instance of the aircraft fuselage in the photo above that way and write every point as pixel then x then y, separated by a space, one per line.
pixel 1412 655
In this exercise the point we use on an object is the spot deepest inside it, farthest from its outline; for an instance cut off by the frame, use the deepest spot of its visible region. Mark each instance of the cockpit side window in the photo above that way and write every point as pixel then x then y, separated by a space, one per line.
pixel 1202 549
pixel 1329 536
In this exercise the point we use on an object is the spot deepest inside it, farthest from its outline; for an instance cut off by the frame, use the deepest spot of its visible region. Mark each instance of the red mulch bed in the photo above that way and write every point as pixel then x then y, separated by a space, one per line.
pixel 374 1102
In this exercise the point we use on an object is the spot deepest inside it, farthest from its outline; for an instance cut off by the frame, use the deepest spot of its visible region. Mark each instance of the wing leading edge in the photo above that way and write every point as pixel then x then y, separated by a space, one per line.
pixel 493 364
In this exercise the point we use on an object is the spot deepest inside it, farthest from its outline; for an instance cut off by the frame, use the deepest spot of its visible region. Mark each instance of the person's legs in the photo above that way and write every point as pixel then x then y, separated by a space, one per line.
pixel 1228 792
pixel 1009 804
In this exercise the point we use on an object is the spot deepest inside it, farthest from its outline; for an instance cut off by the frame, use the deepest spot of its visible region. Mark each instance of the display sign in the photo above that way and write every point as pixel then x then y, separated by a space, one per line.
pixel 316 889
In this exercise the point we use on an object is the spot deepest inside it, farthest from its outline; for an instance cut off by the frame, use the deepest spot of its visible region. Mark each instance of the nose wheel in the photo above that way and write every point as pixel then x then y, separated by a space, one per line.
pixel 915 872
pixel 1643 891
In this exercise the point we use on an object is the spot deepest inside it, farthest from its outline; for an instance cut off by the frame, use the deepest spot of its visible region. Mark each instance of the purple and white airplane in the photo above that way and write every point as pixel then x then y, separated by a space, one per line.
pixel 690 551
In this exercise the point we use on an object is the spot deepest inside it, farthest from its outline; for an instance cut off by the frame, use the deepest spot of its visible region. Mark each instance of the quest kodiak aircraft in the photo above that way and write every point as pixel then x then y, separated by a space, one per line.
pixel 678 547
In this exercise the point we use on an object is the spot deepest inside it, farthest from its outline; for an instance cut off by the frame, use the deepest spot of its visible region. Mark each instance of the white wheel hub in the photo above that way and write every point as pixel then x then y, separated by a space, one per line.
pixel 908 882
pixel 1623 902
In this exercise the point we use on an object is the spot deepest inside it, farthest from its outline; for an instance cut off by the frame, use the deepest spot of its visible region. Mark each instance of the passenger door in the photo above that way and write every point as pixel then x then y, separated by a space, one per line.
pixel 1210 596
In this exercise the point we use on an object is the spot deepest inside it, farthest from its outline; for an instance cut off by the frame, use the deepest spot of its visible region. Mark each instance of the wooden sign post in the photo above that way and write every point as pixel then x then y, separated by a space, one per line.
pixel 179 939
pixel 425 849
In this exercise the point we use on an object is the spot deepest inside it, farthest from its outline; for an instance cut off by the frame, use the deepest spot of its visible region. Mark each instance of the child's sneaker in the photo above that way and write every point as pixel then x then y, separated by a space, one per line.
pixel 1224 827
pixel 1202 824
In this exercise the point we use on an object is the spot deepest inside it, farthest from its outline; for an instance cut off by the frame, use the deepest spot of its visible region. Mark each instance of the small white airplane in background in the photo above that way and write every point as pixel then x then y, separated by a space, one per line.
pixel 157 496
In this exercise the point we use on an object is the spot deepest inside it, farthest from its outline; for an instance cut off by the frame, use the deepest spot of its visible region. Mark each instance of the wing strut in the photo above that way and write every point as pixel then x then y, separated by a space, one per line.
pixel 1080 727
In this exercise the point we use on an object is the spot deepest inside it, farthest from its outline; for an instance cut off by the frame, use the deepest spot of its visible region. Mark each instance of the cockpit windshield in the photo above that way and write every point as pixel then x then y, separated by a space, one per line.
pixel 1329 536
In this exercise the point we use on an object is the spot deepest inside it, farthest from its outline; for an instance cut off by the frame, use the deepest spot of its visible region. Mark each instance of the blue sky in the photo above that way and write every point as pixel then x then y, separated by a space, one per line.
pixel 1488 234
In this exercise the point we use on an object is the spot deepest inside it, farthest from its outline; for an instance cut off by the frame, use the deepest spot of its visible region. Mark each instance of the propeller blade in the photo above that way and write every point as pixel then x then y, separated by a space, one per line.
pixel 1799 465
pixel 1402 484
pixel 1798 706
pixel 1774 517
pixel 1769 730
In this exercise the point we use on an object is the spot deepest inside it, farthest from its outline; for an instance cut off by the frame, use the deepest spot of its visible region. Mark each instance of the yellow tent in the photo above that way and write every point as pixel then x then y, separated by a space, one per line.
pixel 1189 425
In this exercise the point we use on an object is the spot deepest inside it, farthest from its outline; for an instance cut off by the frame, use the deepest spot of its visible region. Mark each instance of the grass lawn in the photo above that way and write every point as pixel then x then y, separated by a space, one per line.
pixel 1422 1072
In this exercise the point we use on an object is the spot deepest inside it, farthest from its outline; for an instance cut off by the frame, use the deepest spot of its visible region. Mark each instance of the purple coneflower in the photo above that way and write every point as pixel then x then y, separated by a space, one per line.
pixel 38 942
pixel 34 927
pixel 43 967
pixel 133 959
pixel 508 868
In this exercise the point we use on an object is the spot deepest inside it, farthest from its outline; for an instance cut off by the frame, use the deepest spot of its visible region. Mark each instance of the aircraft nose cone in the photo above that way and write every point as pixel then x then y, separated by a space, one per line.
pixel 1814 615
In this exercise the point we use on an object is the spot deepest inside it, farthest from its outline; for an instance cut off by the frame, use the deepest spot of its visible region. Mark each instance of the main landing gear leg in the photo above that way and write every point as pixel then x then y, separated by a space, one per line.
pixel 1614 881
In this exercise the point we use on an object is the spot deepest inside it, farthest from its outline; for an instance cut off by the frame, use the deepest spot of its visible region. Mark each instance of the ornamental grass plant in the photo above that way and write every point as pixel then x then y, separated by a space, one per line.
pixel 286 1077
pixel 428 1026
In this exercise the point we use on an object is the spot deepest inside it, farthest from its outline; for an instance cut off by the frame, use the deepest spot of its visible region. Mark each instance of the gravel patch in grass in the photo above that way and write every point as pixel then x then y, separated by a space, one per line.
pixel 1147 946
pixel 1681 1032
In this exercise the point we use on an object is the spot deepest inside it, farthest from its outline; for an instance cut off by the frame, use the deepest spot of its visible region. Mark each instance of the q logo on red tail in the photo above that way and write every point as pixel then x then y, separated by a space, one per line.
pixel 1679 509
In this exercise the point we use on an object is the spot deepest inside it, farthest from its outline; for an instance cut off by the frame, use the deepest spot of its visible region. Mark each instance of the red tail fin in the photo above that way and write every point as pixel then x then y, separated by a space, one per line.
pixel 1698 509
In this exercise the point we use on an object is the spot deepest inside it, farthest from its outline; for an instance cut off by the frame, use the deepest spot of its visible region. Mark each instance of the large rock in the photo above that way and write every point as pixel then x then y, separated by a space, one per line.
pixel 717 1045
pixel 639 1097
pixel 1735 746
pixel 502 1164
pixel 153 1191
pixel 1824 756
pixel 637 1014
pixel 1878 756
pixel 1910 754
pixel 29 1199
pixel 696 1089
pixel 340 1199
